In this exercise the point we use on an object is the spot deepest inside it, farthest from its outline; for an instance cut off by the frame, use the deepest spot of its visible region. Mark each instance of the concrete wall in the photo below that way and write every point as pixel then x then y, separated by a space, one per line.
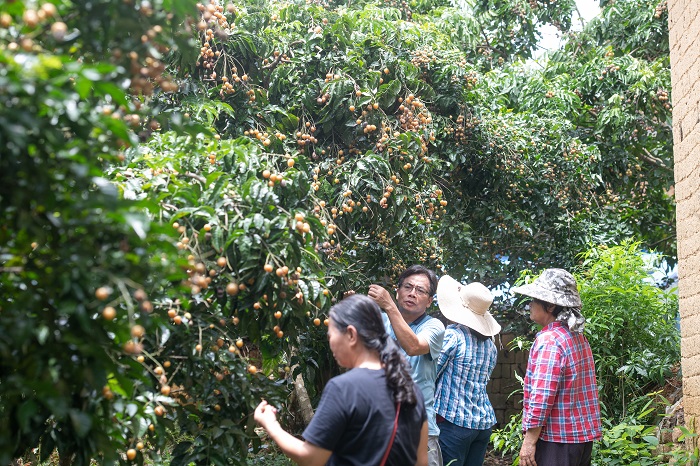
pixel 684 39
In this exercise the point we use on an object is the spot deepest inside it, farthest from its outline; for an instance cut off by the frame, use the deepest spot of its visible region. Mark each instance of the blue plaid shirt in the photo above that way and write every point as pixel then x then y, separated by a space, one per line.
pixel 464 368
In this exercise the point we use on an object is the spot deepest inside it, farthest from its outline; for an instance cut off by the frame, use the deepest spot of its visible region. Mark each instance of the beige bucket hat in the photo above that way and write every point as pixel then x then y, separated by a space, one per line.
pixel 467 305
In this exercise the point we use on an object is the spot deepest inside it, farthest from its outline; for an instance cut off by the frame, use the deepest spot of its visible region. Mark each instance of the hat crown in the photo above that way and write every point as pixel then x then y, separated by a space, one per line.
pixel 467 305
pixel 558 281
pixel 476 297
pixel 556 286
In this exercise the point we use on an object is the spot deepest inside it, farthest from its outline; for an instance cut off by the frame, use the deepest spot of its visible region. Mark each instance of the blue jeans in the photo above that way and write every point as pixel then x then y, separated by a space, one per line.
pixel 461 446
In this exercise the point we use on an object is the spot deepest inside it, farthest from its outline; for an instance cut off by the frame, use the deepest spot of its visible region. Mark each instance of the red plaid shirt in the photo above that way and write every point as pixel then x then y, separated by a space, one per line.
pixel 561 393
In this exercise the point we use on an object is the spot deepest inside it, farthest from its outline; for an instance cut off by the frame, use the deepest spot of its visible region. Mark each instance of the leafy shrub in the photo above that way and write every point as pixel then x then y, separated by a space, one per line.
pixel 509 438
pixel 631 328
pixel 631 325
pixel 626 443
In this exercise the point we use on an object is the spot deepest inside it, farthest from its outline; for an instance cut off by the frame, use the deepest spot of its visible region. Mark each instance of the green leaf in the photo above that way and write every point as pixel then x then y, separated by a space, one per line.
pixel 25 413
pixel 388 93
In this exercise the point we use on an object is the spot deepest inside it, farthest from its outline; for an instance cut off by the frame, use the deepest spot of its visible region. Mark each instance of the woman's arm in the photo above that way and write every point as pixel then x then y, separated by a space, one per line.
pixel 300 451
pixel 422 459
pixel 527 451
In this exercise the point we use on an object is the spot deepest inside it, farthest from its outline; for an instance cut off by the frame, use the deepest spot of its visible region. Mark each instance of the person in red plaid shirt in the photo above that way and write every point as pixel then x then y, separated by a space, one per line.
pixel 561 413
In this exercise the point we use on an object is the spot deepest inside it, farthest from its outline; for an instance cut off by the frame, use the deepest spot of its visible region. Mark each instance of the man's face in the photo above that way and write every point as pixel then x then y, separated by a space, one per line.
pixel 413 296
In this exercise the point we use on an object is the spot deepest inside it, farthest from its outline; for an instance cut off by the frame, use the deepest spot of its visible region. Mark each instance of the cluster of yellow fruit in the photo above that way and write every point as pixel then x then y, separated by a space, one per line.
pixel 660 9
pixel 300 225
pixel 273 178
pixel 412 114
pixel 147 73
pixel 472 78
pixel 304 138
pixel 423 57
pixel 32 19
pixel 213 14
pixel 662 95
pixel 462 128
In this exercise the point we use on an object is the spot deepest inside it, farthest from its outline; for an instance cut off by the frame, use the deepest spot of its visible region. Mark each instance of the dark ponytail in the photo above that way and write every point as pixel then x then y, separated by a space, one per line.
pixel 363 313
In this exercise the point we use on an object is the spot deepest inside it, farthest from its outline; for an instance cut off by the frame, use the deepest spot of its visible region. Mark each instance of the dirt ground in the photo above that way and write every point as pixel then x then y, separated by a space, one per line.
pixel 495 459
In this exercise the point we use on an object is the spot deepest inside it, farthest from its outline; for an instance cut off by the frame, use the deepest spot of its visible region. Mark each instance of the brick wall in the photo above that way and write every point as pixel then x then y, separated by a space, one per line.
pixel 684 39
pixel 503 383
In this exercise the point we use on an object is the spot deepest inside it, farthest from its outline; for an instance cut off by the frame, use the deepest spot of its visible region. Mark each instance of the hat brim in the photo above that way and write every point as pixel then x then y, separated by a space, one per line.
pixel 452 307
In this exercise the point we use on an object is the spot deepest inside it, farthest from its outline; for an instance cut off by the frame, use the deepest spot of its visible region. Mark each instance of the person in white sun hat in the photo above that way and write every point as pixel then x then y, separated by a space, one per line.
pixel 468 357
pixel 561 412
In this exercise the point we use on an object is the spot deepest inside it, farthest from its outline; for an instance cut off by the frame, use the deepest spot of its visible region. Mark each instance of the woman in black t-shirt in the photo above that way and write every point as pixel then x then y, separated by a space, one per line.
pixel 372 414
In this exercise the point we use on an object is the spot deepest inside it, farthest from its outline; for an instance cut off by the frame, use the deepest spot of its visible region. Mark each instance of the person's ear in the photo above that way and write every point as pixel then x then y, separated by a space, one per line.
pixel 351 332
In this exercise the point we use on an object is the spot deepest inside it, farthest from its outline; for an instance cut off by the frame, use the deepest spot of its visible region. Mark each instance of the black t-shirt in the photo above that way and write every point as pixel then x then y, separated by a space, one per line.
pixel 355 419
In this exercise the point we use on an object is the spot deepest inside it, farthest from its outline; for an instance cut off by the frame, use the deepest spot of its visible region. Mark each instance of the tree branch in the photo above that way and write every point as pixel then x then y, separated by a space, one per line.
pixel 647 157
pixel 199 178
pixel 274 63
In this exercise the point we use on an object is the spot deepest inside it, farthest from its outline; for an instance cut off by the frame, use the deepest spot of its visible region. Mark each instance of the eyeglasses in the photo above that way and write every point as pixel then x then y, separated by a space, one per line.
pixel 407 287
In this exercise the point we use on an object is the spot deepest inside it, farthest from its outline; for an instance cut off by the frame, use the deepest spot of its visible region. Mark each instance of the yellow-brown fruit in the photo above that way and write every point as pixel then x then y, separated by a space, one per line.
pixel 130 454
pixel 59 30
pixel 131 347
pixel 30 18
pixel 109 313
pixel 102 293
pixel 5 20
pixel 107 393
pixel 49 10
pixel 232 289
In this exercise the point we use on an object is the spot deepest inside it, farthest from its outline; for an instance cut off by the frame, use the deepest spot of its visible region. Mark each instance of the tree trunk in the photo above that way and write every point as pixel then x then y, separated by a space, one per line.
pixel 303 400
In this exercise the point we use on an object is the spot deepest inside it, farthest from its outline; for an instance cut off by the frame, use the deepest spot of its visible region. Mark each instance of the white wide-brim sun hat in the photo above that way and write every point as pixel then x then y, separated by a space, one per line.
pixel 467 305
